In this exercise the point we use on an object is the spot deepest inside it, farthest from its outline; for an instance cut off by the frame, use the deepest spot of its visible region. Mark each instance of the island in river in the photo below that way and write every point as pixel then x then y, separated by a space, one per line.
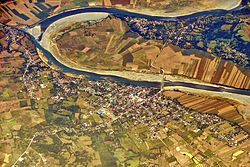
pixel 109 44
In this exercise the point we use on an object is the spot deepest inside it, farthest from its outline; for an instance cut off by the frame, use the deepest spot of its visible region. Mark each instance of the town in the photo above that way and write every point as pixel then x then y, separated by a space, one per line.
pixel 55 116
pixel 102 122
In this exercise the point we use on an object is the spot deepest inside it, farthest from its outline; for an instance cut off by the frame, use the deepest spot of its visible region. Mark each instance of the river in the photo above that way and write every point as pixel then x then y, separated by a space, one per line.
pixel 95 76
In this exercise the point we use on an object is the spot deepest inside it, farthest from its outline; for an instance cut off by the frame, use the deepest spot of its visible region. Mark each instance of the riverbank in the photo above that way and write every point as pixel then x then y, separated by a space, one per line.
pixel 186 10
pixel 145 77
pixel 239 102
pixel 130 76
pixel 70 67
pixel 47 43
pixel 116 11
pixel 243 101
pixel 50 51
